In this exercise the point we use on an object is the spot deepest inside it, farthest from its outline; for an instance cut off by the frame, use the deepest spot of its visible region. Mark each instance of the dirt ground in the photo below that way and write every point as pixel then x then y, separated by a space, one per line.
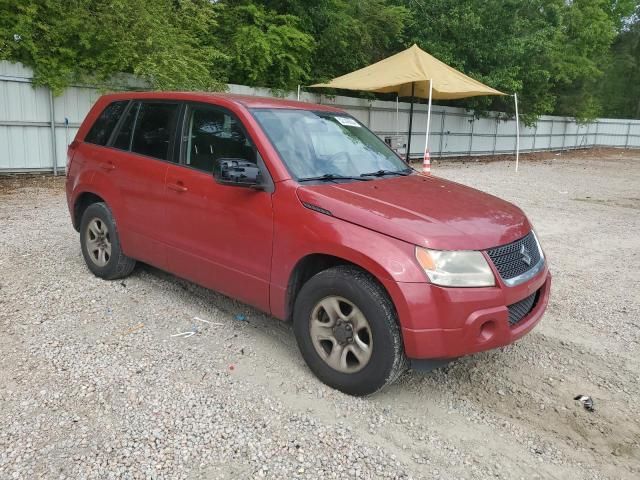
pixel 93 385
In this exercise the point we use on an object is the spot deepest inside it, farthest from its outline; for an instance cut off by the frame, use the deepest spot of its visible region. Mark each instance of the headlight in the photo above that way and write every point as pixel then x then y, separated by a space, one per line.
pixel 455 268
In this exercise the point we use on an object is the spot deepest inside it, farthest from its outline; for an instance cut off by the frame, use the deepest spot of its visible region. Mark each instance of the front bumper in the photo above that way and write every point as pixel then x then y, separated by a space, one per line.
pixel 445 323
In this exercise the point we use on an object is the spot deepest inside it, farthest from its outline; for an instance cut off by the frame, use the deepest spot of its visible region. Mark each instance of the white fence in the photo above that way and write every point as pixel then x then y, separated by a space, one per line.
pixel 36 127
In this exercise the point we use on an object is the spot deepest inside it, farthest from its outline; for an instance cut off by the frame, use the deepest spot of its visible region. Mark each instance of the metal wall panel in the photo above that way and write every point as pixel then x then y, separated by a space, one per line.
pixel 25 148
pixel 26 119
pixel 26 130
pixel 74 104
pixel 20 102
pixel 633 135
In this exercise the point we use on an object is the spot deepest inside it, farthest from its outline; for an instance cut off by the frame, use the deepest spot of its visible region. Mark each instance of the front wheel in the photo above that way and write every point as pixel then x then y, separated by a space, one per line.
pixel 101 245
pixel 346 328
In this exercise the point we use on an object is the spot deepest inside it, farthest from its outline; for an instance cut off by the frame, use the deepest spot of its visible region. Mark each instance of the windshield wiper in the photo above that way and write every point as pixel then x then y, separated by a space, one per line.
pixel 329 177
pixel 382 173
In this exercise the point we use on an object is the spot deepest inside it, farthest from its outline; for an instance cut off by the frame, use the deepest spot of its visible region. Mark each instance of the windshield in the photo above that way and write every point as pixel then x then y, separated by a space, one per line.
pixel 327 144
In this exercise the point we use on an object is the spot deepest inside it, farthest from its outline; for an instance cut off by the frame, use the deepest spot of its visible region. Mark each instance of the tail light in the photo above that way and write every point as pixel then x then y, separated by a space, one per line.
pixel 70 153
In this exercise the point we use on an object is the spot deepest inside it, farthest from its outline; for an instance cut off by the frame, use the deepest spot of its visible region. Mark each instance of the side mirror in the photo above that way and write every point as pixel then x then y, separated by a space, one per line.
pixel 237 172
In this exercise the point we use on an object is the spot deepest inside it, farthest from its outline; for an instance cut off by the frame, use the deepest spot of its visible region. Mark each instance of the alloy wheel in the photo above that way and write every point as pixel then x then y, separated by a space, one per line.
pixel 98 242
pixel 341 334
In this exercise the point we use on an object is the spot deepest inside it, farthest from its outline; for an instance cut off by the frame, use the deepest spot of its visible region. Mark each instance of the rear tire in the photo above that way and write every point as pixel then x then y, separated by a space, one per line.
pixel 346 328
pixel 100 244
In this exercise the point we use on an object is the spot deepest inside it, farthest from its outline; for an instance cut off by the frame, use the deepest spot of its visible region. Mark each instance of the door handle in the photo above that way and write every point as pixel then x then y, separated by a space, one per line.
pixel 108 166
pixel 177 187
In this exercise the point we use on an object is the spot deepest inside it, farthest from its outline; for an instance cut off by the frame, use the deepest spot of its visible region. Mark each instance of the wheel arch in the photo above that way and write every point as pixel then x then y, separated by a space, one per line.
pixel 314 263
pixel 81 204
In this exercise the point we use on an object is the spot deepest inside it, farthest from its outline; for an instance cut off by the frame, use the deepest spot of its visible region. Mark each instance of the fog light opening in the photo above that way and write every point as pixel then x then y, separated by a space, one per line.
pixel 487 330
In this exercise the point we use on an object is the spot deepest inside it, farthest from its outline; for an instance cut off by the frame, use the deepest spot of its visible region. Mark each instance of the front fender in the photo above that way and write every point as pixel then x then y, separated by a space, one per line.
pixel 300 231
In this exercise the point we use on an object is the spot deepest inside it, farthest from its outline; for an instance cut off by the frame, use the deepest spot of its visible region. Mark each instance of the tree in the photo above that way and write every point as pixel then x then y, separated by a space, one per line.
pixel 577 57
pixel 548 51
pixel 348 34
pixel 505 44
pixel 620 86
pixel 589 30
pixel 264 48
pixel 80 40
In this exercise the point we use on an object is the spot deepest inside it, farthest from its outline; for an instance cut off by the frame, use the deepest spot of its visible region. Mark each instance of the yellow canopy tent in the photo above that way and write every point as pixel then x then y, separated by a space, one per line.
pixel 412 73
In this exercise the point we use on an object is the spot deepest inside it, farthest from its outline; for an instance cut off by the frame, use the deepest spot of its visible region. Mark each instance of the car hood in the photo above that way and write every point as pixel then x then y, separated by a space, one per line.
pixel 426 211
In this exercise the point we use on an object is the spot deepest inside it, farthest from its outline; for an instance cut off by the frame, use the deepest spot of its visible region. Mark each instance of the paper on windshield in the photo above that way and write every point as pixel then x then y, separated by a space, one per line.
pixel 347 121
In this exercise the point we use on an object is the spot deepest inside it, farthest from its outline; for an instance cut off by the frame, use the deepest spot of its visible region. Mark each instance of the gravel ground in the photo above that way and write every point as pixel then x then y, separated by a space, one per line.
pixel 93 385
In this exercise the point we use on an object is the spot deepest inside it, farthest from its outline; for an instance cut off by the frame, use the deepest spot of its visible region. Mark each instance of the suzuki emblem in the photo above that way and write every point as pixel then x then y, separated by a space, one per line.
pixel 526 258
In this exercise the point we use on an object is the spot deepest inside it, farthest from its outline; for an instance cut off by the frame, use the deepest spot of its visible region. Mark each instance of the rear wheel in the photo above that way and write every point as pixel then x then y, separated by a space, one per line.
pixel 100 244
pixel 346 328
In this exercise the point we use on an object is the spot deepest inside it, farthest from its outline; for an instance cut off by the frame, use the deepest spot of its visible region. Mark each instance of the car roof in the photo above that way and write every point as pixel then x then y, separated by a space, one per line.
pixel 248 101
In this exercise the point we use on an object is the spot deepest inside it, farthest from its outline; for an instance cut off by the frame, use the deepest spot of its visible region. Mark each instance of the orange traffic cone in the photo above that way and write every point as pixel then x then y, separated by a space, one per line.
pixel 426 163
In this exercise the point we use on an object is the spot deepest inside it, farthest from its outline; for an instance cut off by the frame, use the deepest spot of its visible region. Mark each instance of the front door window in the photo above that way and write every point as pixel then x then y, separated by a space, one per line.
pixel 213 134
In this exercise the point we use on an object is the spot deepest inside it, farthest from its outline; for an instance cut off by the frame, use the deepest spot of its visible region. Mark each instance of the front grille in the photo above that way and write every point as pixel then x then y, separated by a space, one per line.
pixel 521 309
pixel 511 259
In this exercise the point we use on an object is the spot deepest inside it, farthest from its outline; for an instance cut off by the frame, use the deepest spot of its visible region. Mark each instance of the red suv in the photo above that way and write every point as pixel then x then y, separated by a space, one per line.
pixel 302 212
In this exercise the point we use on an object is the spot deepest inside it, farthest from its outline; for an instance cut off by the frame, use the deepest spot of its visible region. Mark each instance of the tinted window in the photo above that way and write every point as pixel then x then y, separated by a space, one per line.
pixel 105 123
pixel 214 134
pixel 154 129
pixel 123 139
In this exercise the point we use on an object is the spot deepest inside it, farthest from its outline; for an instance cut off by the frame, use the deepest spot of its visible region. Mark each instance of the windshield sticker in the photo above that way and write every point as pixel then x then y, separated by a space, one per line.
pixel 347 121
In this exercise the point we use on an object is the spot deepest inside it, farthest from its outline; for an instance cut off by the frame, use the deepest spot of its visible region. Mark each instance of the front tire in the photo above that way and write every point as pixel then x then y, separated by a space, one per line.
pixel 101 245
pixel 346 329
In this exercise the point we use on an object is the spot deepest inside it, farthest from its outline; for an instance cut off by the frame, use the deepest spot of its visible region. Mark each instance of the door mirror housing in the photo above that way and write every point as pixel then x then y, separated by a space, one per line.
pixel 238 172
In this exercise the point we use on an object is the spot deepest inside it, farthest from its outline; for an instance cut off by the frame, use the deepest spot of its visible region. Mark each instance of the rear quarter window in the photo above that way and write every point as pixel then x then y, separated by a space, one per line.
pixel 105 123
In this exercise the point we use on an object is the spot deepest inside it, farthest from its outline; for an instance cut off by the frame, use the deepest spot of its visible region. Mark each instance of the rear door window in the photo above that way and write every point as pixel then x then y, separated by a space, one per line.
pixel 103 127
pixel 154 129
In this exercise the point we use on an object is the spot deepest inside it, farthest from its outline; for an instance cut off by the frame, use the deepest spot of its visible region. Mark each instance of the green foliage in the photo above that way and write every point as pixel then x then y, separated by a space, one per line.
pixel 78 40
pixel 586 37
pixel 264 47
pixel 348 34
pixel 505 44
pixel 578 57
pixel 548 51
pixel 620 86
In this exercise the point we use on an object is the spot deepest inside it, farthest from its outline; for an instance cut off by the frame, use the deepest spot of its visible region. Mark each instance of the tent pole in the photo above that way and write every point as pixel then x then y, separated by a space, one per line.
pixel 426 141
pixel 397 113
pixel 515 98
pixel 413 85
